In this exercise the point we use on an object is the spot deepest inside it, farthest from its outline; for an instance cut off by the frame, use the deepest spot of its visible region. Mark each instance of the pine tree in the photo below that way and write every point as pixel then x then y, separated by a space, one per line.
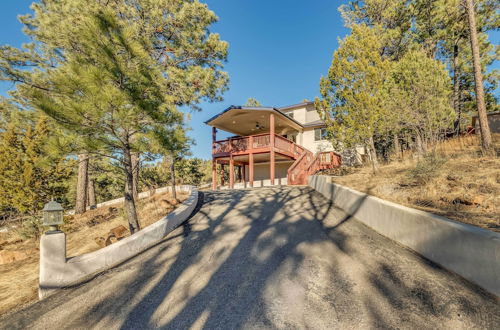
pixel 417 97
pixel 481 106
pixel 117 74
pixel 351 102
pixel 174 143
pixel 32 171
pixel 251 102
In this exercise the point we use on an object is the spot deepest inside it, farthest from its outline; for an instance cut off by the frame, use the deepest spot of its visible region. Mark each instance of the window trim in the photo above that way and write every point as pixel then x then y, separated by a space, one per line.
pixel 322 134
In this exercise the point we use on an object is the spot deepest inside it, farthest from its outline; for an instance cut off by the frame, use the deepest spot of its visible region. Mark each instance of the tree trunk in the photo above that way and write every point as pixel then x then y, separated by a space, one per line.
pixel 373 155
pixel 130 208
pixel 397 147
pixel 456 89
pixel 172 177
pixel 91 194
pixel 135 173
pixel 478 77
pixel 420 147
pixel 81 184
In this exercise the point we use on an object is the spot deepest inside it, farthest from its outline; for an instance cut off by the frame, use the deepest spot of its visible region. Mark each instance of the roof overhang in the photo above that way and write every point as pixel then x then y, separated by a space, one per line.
pixel 243 120
pixel 299 105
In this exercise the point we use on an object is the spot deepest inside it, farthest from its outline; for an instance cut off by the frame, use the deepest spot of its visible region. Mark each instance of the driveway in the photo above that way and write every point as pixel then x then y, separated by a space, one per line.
pixel 269 258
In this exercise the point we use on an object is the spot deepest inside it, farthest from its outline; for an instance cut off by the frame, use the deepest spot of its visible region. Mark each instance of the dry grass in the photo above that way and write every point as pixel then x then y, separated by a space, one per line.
pixel 459 183
pixel 19 280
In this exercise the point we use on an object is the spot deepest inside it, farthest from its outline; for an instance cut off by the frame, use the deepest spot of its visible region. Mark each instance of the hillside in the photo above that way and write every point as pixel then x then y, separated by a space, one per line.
pixel 457 181
pixel 19 279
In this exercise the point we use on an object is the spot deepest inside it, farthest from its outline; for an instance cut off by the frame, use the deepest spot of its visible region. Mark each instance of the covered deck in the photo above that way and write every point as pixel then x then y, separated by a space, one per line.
pixel 261 138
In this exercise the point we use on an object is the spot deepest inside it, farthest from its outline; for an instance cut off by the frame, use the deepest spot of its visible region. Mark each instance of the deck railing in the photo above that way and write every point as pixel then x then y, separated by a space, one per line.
pixel 260 143
pixel 308 165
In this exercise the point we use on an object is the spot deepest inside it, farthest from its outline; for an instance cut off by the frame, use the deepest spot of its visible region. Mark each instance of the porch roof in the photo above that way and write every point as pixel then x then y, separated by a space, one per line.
pixel 244 121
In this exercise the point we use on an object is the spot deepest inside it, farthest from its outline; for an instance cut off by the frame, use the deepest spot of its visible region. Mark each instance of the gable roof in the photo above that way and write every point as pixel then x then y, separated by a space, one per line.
pixel 293 106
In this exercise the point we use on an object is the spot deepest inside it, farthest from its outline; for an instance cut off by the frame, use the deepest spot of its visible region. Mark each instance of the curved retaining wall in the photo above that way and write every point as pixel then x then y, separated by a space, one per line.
pixel 472 252
pixel 57 271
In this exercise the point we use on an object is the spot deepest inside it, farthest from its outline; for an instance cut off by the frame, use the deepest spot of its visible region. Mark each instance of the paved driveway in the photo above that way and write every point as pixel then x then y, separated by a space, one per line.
pixel 269 258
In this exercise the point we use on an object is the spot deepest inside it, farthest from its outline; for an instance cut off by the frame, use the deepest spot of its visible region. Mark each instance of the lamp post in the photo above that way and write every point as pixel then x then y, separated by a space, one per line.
pixel 53 216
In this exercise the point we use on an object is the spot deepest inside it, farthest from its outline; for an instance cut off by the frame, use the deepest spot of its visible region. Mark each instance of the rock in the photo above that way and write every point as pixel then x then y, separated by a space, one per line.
pixel 8 256
pixel 113 236
pixel 462 201
pixel 119 232
pixel 101 241
pixel 478 200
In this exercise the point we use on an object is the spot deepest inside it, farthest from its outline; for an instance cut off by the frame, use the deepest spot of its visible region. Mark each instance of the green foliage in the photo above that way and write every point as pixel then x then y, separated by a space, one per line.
pixel 191 171
pixel 251 102
pixel 440 28
pixel 392 75
pixel 417 95
pixel 352 102
pixel 115 73
pixel 425 170
pixel 32 173
pixel 31 227
pixel 155 176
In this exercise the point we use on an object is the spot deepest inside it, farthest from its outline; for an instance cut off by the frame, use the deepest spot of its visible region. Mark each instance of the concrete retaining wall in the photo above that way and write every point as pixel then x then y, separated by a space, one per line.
pixel 472 252
pixel 57 271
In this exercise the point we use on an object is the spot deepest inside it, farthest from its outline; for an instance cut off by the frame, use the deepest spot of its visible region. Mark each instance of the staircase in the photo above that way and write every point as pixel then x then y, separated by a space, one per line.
pixel 308 164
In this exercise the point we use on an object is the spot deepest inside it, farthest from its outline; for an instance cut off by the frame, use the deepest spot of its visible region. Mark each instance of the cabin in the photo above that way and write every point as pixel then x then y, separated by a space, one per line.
pixel 493 122
pixel 271 146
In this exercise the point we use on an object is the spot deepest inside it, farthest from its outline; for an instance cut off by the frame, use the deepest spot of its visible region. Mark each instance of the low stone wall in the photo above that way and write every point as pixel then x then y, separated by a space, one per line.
pixel 144 194
pixel 472 252
pixel 58 271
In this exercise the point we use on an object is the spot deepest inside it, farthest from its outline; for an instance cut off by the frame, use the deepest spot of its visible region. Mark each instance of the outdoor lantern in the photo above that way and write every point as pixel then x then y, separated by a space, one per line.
pixel 53 215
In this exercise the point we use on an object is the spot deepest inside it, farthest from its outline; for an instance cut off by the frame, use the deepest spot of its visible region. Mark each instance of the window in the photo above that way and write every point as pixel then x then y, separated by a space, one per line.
pixel 290 114
pixel 320 134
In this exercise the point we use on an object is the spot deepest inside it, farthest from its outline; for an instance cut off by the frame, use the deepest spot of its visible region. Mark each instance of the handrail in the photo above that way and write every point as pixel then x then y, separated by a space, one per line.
pixel 262 139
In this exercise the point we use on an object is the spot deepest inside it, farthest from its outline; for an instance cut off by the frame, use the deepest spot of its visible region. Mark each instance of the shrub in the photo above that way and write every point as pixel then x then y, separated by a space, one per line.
pixel 425 170
pixel 31 227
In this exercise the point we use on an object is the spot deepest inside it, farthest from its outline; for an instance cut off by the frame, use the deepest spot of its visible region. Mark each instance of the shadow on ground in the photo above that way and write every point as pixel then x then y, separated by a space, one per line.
pixel 269 258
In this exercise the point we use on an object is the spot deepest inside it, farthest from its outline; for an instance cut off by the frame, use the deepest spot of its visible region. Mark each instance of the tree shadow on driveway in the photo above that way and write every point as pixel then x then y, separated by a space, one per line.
pixel 269 258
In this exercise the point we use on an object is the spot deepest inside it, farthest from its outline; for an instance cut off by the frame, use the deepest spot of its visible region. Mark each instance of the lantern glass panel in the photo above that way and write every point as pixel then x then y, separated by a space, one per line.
pixel 51 218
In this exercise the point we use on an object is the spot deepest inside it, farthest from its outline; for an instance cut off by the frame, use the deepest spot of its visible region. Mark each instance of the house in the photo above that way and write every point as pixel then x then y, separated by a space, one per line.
pixel 272 145
pixel 493 122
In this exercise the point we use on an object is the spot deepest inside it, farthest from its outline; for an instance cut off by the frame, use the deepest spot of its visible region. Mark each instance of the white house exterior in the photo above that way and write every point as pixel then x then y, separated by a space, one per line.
pixel 271 145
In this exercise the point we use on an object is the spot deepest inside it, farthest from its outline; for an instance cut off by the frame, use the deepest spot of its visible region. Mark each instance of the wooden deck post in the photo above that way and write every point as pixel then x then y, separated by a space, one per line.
pixel 214 161
pixel 214 174
pixel 221 175
pixel 250 163
pixel 271 145
pixel 244 178
pixel 231 172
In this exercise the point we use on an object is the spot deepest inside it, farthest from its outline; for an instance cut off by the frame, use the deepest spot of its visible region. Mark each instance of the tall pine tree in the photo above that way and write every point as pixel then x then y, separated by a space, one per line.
pixel 117 74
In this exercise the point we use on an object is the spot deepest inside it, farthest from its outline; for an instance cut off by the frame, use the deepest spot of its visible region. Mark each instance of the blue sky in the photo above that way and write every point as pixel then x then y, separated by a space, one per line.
pixel 278 52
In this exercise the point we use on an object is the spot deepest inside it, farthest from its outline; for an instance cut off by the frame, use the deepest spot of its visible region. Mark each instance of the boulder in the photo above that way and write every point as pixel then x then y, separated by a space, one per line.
pixel 119 232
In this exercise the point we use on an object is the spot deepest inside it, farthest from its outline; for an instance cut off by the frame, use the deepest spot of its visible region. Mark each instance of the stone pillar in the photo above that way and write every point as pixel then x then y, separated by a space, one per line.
pixel 52 262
